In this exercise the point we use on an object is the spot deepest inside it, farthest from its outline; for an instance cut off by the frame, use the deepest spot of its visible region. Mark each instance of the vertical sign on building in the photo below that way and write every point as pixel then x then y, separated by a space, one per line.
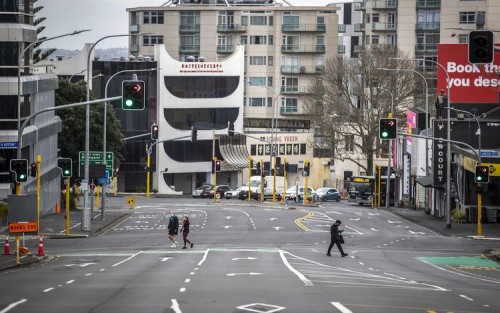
pixel 439 154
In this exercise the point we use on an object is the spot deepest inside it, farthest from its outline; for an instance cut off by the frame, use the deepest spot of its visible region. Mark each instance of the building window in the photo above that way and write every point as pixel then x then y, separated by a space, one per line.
pixel 270 102
pixel 289 105
pixel 153 17
pixel 270 60
pixel 349 143
pixel 258 60
pixel 270 81
pixel 392 40
pixel 197 87
pixel 244 40
pixel 258 20
pixel 9 52
pixel 463 38
pixel 151 40
pixel 244 20
pixel 468 17
pixel 190 18
pixel 257 81
pixel 375 40
pixel 257 102
pixel 258 40
pixel 270 40
pixel 375 18
pixel 291 18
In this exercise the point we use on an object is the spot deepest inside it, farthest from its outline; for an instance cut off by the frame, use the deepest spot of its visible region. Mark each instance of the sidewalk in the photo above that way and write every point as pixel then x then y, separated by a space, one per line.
pixel 490 231
pixel 53 226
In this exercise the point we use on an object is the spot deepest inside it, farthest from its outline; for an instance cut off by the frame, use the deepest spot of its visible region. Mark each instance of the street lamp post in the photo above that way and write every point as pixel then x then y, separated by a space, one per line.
pixel 104 132
pixel 426 122
pixel 389 156
pixel 448 143
pixel 86 210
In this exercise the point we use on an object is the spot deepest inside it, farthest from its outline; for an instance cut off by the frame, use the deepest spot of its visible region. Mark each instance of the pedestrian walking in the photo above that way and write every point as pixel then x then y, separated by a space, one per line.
pixel 173 228
pixel 335 239
pixel 185 231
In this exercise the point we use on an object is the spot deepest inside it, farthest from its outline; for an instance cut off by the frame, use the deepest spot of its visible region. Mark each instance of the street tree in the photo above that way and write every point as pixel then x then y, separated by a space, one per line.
pixel 72 137
pixel 347 100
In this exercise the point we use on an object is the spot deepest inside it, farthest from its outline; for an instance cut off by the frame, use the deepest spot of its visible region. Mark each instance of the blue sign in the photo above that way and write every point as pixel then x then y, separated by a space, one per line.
pixel 8 145
pixel 489 153
pixel 103 181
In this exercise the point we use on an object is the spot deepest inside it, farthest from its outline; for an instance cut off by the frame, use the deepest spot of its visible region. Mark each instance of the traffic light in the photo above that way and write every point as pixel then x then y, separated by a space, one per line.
pixel 194 134
pixel 482 174
pixel 154 131
pixel 286 166
pixel 388 128
pixel 66 166
pixel 278 162
pixel 20 168
pixel 230 129
pixel 481 47
pixel 217 165
pixel 307 168
pixel 133 95
pixel 33 169
pixel 257 168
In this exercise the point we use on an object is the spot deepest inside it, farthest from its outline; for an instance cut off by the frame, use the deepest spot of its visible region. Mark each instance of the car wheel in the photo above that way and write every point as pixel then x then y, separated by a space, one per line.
pixel 338 199
pixel 323 198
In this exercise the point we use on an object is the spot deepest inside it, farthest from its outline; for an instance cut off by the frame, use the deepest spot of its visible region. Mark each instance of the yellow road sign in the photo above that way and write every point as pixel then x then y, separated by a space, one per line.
pixel 131 201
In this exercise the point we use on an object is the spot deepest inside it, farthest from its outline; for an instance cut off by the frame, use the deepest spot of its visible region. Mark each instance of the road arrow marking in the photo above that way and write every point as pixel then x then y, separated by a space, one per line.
pixel 238 274
pixel 393 222
pixel 374 229
pixel 249 258
pixel 165 259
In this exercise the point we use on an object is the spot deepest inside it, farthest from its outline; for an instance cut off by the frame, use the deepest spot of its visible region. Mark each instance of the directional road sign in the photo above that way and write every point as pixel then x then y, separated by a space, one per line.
pixel 95 158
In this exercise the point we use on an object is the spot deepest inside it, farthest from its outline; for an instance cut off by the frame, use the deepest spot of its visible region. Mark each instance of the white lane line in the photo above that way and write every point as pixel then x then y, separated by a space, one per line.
pixel 182 289
pixel 361 263
pixel 127 259
pixel 187 280
pixel 13 305
pixel 204 258
pixel 89 274
pixel 70 282
pixel 48 289
pixel 102 270
pixel 340 307
pixel 466 298
pixel 357 231
pixel 306 281
pixel 192 273
pixel 175 306
pixel 373 229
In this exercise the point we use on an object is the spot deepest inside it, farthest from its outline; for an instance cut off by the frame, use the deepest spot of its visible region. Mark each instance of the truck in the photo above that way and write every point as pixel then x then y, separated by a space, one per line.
pixel 255 187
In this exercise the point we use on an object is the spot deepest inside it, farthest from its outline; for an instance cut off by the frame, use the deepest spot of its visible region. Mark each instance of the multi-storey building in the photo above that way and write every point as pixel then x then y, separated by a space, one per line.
pixel 285 48
pixel 22 98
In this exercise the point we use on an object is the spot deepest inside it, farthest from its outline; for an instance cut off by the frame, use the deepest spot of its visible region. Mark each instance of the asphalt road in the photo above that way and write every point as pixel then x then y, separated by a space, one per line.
pixel 257 258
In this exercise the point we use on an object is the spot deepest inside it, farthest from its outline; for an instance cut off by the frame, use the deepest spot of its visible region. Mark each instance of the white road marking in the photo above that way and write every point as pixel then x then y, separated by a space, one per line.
pixel 48 289
pixel 393 222
pixel 13 305
pixel 334 212
pixel 372 214
pixel 466 298
pixel 248 307
pixel 248 258
pixel 182 289
pixel 80 265
pixel 374 229
pixel 192 273
pixel 354 219
pixel 121 262
pixel 239 274
pixel 278 228
pixel 165 259
pixel 228 217
pixel 70 282
pixel 357 231
pixel 340 307
pixel 361 263
pixel 273 218
pixel 187 280
pixel 89 274
pixel 175 306
pixel 306 281
pixel 416 232
pixel 203 260
pixel 227 227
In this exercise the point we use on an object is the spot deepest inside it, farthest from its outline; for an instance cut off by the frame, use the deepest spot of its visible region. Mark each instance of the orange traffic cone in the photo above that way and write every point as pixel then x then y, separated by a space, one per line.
pixel 58 209
pixel 6 250
pixel 40 247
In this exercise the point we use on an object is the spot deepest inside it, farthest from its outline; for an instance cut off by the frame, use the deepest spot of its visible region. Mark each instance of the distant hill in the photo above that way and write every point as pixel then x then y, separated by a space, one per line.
pixel 103 54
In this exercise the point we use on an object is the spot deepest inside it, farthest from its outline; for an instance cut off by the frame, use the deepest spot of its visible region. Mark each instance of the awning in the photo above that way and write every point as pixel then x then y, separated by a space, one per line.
pixel 424 181
pixel 234 151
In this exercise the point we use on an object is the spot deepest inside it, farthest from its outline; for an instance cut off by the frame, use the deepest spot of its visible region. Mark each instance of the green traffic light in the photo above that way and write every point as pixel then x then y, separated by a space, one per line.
pixel 129 102
pixel 22 176
pixel 385 134
pixel 66 172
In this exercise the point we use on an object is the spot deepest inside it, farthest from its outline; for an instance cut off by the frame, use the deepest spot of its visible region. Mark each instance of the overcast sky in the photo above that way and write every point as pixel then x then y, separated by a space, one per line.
pixel 104 17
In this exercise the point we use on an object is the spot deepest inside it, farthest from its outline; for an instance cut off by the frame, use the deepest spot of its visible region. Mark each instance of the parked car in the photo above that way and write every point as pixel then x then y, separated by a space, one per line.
pixel 232 194
pixel 197 192
pixel 327 193
pixel 209 192
pixel 291 193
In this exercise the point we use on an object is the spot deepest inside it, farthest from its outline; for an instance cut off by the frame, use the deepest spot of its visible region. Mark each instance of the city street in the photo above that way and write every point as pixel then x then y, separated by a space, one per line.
pixel 253 257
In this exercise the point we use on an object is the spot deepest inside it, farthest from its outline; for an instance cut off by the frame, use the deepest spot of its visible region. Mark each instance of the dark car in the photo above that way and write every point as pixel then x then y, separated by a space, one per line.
pixel 209 192
pixel 327 193
pixel 197 192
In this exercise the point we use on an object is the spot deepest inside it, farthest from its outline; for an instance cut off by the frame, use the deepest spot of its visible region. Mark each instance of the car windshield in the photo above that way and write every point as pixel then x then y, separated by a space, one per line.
pixel 322 190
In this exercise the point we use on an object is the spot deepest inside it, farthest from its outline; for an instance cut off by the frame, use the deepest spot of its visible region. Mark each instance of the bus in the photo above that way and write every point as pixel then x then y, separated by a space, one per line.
pixel 361 188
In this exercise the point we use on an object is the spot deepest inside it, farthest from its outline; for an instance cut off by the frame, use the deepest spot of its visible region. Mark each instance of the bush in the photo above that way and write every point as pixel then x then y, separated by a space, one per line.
pixel 458 215
pixel 3 210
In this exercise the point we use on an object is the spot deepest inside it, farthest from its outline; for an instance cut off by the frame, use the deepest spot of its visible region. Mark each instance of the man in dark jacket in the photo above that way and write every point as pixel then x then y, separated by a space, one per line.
pixel 335 239
pixel 173 228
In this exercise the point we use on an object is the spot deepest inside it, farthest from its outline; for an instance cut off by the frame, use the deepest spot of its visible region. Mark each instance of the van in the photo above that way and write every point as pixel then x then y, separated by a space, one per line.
pixel 268 186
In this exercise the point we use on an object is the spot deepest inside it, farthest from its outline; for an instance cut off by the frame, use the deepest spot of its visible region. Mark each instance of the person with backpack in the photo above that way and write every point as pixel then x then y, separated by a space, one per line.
pixel 185 231
pixel 173 228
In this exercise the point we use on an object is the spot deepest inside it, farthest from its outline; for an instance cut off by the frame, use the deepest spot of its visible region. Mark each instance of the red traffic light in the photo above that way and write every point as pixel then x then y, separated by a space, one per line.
pixel 154 131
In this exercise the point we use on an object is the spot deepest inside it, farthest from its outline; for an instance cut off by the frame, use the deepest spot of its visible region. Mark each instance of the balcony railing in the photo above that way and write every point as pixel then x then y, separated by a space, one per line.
pixel 384 27
pixel 294 90
pixel 292 28
pixel 427 26
pixel 359 27
pixel 428 4
pixel 289 111
pixel 385 4
pixel 189 28
pixel 189 48
pixel 225 48
pixel 303 49
pixel 426 47
pixel 359 6
pixel 231 28
pixel 341 49
pixel 342 28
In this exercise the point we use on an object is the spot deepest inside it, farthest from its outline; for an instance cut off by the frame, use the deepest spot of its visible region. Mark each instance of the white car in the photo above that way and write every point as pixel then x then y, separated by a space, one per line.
pixel 232 194
pixel 291 193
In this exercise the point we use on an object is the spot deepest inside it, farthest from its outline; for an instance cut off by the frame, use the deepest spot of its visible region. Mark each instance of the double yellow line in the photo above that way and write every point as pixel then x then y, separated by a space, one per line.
pixel 298 221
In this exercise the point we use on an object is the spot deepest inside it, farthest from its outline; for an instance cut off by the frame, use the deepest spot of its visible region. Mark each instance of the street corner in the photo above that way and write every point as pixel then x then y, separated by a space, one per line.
pixel 493 254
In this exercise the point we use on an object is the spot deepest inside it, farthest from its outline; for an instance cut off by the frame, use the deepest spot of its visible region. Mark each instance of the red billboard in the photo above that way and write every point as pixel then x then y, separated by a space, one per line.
pixel 469 83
